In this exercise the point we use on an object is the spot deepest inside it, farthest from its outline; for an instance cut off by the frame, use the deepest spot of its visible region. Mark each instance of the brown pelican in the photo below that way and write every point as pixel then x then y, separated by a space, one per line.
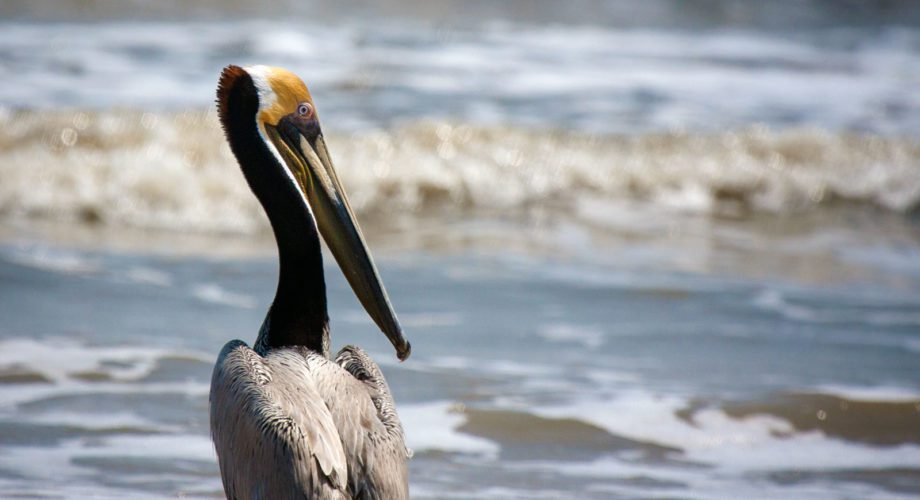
pixel 288 422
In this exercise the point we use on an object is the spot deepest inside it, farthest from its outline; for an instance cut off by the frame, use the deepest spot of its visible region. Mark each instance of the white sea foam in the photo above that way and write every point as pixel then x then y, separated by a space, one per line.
pixel 885 315
pixel 738 453
pixel 881 394
pixel 649 418
pixel 433 426
pixel 589 337
pixel 186 446
pixel 71 371
pixel 59 358
pixel 23 393
pixel 97 421
pixel 175 171
pixel 55 260
pixel 808 451
pixel 216 294
pixel 66 364
pixel 58 468
pixel 753 443
pixel 25 461
pixel 773 300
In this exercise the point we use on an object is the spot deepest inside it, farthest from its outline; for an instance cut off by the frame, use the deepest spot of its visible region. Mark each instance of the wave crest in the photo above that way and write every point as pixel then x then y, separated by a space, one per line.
pixel 174 170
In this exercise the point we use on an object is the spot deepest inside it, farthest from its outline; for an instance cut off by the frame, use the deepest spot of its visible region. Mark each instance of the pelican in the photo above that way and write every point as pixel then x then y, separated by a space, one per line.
pixel 286 420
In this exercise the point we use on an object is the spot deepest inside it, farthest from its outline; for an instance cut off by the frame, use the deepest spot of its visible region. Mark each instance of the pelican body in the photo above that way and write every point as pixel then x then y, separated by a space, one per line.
pixel 287 421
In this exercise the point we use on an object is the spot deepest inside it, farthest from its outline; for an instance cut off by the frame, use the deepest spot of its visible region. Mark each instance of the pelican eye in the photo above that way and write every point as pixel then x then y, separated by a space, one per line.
pixel 305 110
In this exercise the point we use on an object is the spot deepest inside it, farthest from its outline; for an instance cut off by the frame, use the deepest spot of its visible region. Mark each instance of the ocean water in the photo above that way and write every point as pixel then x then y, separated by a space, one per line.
pixel 641 252
pixel 530 376
pixel 547 75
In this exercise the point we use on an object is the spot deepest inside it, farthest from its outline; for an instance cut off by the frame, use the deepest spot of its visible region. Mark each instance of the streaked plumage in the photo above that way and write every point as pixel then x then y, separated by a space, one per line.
pixel 288 422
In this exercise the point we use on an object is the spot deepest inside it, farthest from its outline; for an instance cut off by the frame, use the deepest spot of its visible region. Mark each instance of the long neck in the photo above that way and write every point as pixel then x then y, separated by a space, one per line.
pixel 298 315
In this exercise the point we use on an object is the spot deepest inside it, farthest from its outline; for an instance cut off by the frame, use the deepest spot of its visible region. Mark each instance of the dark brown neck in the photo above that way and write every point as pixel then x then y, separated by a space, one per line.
pixel 298 315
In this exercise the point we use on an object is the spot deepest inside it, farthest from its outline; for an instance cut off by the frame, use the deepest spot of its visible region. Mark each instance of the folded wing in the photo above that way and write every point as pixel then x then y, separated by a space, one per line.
pixel 269 421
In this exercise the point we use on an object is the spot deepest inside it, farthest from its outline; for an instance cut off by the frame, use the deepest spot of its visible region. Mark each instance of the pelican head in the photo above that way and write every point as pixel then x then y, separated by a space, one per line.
pixel 300 170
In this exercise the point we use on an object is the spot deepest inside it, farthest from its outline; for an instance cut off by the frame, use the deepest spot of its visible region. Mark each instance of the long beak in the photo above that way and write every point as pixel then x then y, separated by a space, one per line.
pixel 312 167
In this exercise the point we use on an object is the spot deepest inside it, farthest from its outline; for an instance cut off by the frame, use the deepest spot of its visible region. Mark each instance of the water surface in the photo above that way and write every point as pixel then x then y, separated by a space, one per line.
pixel 641 250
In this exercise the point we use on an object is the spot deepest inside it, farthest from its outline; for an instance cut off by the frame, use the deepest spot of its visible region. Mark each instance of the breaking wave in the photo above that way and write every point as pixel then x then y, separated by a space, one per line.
pixel 173 170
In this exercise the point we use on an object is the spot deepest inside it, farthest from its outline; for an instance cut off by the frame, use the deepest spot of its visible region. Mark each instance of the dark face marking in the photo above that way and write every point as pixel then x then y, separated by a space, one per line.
pixel 301 122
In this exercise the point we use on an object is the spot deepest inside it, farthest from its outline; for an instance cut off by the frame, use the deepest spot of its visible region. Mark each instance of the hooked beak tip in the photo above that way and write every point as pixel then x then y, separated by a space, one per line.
pixel 404 351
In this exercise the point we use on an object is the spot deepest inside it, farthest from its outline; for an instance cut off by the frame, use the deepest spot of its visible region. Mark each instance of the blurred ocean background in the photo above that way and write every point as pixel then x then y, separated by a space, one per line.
pixel 645 249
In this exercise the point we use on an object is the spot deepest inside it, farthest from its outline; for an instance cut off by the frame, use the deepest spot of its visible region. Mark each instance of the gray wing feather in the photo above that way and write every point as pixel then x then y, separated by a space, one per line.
pixel 354 390
pixel 318 429
pixel 269 421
